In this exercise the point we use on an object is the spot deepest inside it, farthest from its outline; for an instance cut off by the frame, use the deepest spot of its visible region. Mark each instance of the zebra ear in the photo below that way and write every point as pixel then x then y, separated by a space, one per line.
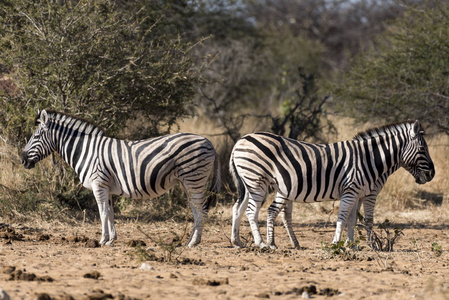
pixel 44 118
pixel 416 129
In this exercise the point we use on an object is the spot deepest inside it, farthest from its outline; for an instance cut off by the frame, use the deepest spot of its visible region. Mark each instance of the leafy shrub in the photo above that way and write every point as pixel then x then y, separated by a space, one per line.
pixel 406 75
pixel 342 249
pixel 93 58
pixel 386 238
pixel 107 61
pixel 437 249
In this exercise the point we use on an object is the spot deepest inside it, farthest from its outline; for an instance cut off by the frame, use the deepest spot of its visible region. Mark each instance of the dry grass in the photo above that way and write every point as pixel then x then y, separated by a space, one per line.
pixel 10 166
pixel 37 193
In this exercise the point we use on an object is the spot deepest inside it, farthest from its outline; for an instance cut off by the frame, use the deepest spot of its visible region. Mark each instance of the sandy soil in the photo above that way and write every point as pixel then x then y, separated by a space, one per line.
pixel 62 258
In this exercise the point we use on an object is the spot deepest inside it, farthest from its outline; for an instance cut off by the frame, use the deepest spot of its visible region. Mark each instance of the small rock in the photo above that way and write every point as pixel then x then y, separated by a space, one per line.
pixel 91 243
pixel 77 239
pixel 92 275
pixel 98 295
pixel 305 295
pixel 66 297
pixel 43 296
pixel 210 282
pixel 43 237
pixel 45 279
pixel 328 292
pixel 146 267
pixel 22 275
pixel 8 269
pixel 135 243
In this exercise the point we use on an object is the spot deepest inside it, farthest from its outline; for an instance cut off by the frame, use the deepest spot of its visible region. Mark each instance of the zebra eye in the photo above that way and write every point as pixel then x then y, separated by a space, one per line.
pixel 421 149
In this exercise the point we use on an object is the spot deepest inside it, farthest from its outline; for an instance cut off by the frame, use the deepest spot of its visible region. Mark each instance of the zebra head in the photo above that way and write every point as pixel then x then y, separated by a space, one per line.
pixel 40 144
pixel 416 158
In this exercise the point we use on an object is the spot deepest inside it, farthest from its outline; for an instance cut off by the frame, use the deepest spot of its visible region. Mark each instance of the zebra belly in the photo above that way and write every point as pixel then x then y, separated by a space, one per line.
pixel 149 192
pixel 310 193
pixel 311 198
pixel 133 188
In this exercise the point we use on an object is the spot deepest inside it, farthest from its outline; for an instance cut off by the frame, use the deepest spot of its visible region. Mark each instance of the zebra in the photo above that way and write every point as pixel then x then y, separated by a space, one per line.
pixel 353 171
pixel 140 169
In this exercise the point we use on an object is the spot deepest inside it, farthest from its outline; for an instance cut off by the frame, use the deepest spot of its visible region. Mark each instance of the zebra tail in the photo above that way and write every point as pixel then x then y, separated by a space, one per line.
pixel 215 185
pixel 237 180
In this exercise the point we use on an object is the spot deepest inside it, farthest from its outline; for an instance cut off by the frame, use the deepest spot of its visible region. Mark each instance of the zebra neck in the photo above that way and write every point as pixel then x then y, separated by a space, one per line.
pixel 77 148
pixel 385 153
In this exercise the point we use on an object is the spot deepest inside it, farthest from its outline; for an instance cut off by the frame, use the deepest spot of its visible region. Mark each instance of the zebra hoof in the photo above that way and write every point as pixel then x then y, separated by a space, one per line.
pixel 237 244
pixel 262 245
pixel 104 240
pixel 296 246
pixel 356 247
pixel 109 243
pixel 192 244
pixel 273 247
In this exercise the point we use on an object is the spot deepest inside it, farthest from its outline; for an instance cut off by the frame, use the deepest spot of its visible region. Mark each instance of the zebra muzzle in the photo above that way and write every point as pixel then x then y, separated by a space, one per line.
pixel 424 177
pixel 430 175
pixel 27 163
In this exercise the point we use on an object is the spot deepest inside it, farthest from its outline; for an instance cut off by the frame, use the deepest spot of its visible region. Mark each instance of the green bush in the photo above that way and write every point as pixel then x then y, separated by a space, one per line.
pixel 405 77
pixel 92 58
pixel 111 62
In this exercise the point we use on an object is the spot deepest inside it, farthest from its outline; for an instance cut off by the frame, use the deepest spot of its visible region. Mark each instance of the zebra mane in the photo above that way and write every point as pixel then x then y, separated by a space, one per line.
pixel 392 128
pixel 66 119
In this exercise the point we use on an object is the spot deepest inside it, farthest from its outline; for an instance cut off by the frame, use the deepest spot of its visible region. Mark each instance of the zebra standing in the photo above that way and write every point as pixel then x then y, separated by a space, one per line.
pixel 137 169
pixel 349 170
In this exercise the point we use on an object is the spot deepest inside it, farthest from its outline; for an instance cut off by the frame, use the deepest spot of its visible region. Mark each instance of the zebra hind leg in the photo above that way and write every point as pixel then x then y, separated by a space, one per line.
pixel 252 213
pixel 273 210
pixel 237 212
pixel 200 210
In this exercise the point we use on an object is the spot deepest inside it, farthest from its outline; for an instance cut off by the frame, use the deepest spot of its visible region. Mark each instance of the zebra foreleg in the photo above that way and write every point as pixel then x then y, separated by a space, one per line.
pixel 237 212
pixel 101 194
pixel 110 220
pixel 286 215
pixel 352 221
pixel 347 202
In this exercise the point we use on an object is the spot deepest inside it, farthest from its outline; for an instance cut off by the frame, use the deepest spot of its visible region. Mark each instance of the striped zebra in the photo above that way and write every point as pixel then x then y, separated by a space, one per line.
pixel 136 169
pixel 353 171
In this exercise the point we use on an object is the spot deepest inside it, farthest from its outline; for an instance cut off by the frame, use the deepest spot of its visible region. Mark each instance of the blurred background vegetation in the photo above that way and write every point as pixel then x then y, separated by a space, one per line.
pixel 315 70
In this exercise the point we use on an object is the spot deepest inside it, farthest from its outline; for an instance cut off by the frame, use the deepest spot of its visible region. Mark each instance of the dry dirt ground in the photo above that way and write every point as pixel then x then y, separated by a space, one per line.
pixel 58 261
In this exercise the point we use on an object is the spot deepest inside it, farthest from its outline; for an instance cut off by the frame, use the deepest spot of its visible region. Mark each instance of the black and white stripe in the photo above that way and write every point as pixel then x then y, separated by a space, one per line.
pixel 349 170
pixel 137 169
